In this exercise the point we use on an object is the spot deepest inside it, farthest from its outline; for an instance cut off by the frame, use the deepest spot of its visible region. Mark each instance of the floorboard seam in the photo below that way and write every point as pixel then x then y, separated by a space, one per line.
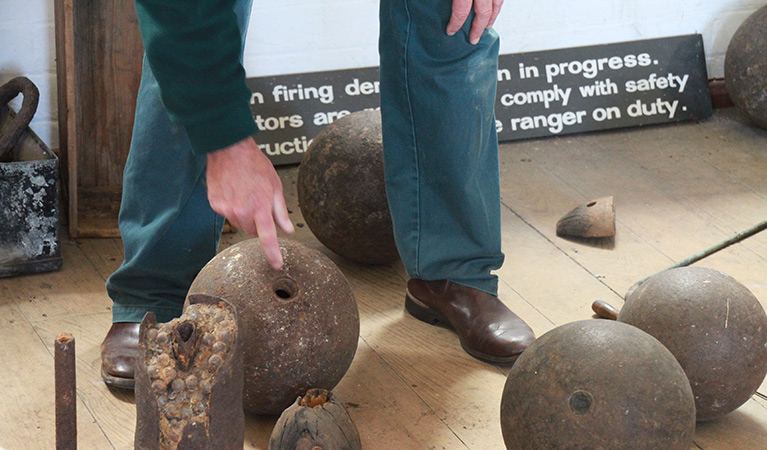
pixel 409 387
pixel 598 278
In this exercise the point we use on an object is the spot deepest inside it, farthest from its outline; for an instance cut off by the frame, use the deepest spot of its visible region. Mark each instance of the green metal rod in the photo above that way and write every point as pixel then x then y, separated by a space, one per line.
pixel 761 226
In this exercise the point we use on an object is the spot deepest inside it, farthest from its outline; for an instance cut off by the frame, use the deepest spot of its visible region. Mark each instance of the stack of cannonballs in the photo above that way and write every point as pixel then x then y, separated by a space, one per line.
pixel 689 344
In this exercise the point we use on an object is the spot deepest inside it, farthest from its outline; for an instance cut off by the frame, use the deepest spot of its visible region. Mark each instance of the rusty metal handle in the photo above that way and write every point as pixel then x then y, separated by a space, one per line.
pixel 605 310
pixel 9 91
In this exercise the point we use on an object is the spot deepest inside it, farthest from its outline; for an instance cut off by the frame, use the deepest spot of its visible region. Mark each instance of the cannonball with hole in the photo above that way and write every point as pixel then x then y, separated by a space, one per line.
pixel 715 328
pixel 341 190
pixel 597 384
pixel 745 67
pixel 299 326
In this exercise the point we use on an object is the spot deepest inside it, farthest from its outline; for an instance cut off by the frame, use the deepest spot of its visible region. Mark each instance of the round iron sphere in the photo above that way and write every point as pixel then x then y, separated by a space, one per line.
pixel 299 326
pixel 341 190
pixel 597 384
pixel 745 67
pixel 715 328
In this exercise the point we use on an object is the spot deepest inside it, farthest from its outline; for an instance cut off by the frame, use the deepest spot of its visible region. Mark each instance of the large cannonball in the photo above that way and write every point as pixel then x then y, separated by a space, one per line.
pixel 299 326
pixel 597 384
pixel 341 190
pixel 745 68
pixel 715 328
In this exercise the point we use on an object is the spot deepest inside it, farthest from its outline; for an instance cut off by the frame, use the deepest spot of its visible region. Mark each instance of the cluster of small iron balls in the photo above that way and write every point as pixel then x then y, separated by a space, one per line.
pixel 182 386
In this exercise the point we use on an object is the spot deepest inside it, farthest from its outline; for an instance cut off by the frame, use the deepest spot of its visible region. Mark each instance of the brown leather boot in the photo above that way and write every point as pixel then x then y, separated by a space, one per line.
pixel 487 329
pixel 118 355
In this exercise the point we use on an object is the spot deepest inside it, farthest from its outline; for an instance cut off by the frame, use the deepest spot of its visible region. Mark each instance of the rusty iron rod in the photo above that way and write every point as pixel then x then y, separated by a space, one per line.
pixel 66 392
pixel 747 233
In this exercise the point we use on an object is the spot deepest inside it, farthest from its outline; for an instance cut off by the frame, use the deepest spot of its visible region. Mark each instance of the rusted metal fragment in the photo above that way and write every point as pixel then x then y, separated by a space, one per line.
pixel 604 310
pixel 597 384
pixel 595 219
pixel 299 325
pixel 745 67
pixel 189 379
pixel 12 132
pixel 341 190
pixel 715 328
pixel 66 392
pixel 316 421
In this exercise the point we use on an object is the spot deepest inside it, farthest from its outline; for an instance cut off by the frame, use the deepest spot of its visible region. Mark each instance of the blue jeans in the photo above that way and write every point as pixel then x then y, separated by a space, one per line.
pixel 168 228
pixel 440 143
pixel 440 153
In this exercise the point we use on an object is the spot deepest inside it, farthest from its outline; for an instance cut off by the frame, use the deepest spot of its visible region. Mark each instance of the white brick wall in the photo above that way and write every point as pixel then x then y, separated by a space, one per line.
pixel 292 36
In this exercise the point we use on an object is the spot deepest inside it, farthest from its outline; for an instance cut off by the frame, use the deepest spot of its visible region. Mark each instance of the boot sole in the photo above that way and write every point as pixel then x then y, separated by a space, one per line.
pixel 118 382
pixel 431 316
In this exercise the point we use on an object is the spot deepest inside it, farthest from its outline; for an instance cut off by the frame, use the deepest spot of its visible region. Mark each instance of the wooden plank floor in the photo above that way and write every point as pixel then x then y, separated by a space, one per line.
pixel 678 189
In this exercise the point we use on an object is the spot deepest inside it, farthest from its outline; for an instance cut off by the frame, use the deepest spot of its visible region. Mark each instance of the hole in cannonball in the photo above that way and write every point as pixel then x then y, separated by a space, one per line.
pixel 285 288
pixel 580 402
pixel 185 330
pixel 590 204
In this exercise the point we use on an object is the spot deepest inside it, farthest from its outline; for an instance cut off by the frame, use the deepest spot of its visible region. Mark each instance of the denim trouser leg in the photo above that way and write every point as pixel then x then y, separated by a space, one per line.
pixel 440 143
pixel 168 228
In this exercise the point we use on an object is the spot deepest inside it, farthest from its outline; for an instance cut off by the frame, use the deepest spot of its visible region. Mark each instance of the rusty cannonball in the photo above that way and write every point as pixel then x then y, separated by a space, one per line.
pixel 715 328
pixel 745 67
pixel 299 326
pixel 341 190
pixel 597 384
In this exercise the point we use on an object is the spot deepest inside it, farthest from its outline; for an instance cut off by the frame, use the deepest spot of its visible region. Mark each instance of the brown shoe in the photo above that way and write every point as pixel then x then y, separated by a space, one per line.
pixel 118 355
pixel 487 329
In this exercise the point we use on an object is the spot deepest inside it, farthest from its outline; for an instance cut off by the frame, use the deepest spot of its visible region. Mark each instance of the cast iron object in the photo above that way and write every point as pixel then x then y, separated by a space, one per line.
pixel 605 310
pixel 66 392
pixel 316 421
pixel 299 325
pixel 715 328
pixel 745 67
pixel 341 190
pixel 595 219
pixel 189 379
pixel 597 384
pixel 9 91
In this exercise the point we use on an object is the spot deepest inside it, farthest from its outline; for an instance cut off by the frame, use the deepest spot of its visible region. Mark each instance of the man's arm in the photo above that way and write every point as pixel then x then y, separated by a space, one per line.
pixel 193 48
pixel 486 11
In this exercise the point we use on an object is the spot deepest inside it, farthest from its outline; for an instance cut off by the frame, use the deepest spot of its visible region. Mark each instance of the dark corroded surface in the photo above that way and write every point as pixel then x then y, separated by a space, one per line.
pixel 597 384
pixel 189 380
pixel 29 221
pixel 66 392
pixel 316 421
pixel 745 67
pixel 11 133
pixel 715 328
pixel 300 325
pixel 341 190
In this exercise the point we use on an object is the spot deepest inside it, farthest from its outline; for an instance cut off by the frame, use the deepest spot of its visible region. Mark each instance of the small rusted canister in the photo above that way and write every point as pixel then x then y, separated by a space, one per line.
pixel 316 421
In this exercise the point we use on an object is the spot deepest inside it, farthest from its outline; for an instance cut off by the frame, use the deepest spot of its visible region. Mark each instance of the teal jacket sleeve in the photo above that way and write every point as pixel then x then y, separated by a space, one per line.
pixel 193 48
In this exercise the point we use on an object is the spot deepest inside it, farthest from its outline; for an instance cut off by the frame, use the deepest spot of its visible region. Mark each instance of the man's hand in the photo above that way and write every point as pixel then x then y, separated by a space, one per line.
pixel 486 11
pixel 244 187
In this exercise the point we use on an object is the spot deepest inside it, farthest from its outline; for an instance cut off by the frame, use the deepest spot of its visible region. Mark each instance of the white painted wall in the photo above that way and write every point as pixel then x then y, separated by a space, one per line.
pixel 292 36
